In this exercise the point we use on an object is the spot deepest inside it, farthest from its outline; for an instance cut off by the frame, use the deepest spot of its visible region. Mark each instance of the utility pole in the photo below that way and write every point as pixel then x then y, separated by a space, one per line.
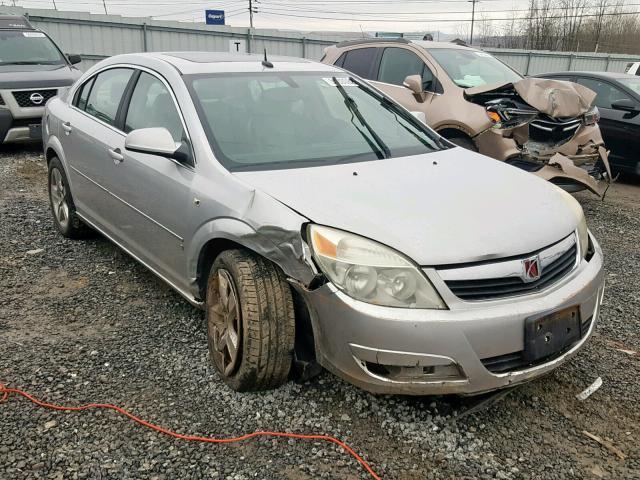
pixel 250 14
pixel 473 17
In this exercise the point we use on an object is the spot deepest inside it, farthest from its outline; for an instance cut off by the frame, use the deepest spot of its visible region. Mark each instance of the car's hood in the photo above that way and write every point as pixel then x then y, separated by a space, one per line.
pixel 37 76
pixel 556 98
pixel 447 207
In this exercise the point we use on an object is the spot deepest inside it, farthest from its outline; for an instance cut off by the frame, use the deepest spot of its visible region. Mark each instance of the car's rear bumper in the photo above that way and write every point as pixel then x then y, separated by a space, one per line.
pixel 445 351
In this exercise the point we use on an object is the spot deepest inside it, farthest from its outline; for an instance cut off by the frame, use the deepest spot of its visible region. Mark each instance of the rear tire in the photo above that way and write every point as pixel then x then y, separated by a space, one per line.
pixel 250 321
pixel 62 207
pixel 464 142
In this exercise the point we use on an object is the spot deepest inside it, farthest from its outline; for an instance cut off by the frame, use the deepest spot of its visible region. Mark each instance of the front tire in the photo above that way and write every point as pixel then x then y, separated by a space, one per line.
pixel 250 321
pixel 62 207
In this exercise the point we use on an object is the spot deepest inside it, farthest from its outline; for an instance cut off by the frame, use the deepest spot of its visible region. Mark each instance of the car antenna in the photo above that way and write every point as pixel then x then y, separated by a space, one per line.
pixel 265 62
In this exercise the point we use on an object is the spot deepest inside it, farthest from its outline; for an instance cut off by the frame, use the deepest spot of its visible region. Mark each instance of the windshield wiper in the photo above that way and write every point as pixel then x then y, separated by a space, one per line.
pixel 353 108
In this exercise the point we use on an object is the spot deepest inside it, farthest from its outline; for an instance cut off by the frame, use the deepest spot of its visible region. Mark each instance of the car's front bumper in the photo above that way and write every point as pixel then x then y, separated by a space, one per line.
pixel 442 351
pixel 24 129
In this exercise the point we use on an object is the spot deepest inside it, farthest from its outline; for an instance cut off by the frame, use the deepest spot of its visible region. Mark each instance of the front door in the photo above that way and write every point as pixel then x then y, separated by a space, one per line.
pixel 155 191
pixel 396 64
pixel 618 127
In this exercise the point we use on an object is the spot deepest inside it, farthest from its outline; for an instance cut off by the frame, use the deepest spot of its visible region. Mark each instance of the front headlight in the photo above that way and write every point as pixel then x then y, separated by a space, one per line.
pixel 583 236
pixel 371 272
pixel 592 116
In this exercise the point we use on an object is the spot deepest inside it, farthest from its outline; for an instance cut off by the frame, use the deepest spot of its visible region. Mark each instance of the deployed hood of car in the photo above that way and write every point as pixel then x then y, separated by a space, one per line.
pixel 37 76
pixel 448 207
pixel 556 98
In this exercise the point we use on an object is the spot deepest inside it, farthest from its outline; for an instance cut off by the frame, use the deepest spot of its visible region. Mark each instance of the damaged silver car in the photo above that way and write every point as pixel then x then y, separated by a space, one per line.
pixel 319 223
pixel 548 127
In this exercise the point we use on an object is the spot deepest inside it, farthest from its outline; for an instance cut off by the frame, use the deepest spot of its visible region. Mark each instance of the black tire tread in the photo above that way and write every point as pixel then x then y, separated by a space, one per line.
pixel 77 229
pixel 268 321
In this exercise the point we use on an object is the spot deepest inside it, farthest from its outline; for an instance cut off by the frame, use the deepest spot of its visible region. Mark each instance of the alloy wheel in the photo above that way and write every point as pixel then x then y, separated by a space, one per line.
pixel 225 322
pixel 58 195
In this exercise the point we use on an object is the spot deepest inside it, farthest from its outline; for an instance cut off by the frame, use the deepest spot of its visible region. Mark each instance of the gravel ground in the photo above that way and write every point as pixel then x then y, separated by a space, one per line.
pixel 82 322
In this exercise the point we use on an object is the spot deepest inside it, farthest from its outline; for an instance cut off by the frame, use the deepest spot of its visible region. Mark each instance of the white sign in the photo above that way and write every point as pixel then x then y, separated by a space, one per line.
pixel 237 45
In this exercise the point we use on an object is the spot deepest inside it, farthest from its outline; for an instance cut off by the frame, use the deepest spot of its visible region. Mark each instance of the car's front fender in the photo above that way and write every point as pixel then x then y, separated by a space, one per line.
pixel 282 244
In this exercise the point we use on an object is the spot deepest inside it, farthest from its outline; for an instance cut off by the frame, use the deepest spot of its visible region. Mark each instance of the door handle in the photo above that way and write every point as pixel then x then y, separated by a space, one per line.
pixel 66 126
pixel 116 155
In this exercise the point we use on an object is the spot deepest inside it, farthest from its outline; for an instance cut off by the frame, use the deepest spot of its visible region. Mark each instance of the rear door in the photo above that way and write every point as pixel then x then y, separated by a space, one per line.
pixel 92 143
pixel 617 127
pixel 155 191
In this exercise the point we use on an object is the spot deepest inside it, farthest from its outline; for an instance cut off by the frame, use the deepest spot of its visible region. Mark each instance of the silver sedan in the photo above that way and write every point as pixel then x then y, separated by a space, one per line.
pixel 318 223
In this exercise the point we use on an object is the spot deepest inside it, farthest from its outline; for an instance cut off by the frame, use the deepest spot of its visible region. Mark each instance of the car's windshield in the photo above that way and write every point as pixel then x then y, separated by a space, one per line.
pixel 28 48
pixel 471 68
pixel 632 83
pixel 287 120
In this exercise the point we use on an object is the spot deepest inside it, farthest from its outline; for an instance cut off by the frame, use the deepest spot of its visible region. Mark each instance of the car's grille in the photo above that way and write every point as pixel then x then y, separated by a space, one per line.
pixel 516 361
pixel 546 129
pixel 490 288
pixel 25 99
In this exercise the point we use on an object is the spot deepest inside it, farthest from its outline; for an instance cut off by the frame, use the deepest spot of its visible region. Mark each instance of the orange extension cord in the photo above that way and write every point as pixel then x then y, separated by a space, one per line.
pixel 7 392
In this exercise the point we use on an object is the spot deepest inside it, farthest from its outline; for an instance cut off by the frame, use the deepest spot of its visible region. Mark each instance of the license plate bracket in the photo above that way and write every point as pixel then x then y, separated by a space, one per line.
pixel 35 130
pixel 545 335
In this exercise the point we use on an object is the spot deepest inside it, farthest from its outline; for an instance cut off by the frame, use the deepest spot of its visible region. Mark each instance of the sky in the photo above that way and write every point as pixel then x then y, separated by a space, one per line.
pixel 448 16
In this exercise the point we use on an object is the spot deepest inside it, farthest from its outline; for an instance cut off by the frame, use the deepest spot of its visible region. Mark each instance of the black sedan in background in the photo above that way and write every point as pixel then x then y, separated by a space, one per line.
pixel 619 103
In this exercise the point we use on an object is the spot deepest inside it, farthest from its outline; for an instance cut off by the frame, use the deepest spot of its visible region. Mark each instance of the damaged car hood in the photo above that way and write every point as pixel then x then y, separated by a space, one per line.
pixel 452 206
pixel 556 98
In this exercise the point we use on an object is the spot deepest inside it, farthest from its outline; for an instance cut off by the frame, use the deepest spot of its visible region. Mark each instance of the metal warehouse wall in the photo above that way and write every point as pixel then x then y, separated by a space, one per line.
pixel 95 37
pixel 532 62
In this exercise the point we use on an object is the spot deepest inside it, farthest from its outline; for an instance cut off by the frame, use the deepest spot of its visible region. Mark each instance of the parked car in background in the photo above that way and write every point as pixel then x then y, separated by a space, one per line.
pixel 618 100
pixel 32 70
pixel 633 68
pixel 474 100
pixel 315 220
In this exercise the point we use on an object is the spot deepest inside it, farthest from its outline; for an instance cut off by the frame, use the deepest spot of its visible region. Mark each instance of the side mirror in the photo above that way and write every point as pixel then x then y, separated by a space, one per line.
pixel 625 104
pixel 414 83
pixel 420 116
pixel 74 59
pixel 154 141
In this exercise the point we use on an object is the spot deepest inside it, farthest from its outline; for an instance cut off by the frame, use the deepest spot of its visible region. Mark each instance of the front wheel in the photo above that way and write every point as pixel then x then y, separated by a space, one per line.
pixel 250 321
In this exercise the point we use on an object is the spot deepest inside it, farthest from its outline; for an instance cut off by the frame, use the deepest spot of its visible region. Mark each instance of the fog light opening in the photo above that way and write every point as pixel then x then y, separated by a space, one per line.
pixel 428 373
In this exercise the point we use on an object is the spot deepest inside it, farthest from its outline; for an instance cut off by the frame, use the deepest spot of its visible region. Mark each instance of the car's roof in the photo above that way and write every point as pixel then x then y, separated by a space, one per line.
pixel 429 45
pixel 212 62
pixel 605 75
pixel 426 44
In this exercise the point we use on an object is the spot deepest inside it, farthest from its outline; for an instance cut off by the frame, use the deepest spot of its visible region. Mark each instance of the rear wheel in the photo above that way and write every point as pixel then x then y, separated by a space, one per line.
pixel 62 207
pixel 250 321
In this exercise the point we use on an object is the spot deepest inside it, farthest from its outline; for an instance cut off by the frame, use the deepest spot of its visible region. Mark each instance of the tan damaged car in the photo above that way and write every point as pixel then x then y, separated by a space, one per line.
pixel 548 127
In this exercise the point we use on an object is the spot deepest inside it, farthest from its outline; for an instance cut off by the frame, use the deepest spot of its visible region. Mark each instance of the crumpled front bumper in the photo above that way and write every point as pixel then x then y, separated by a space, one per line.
pixel 444 349
pixel 582 161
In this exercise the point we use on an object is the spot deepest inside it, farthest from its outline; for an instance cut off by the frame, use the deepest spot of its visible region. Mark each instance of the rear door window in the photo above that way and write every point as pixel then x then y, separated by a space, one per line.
pixel 398 63
pixel 83 94
pixel 106 94
pixel 361 62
